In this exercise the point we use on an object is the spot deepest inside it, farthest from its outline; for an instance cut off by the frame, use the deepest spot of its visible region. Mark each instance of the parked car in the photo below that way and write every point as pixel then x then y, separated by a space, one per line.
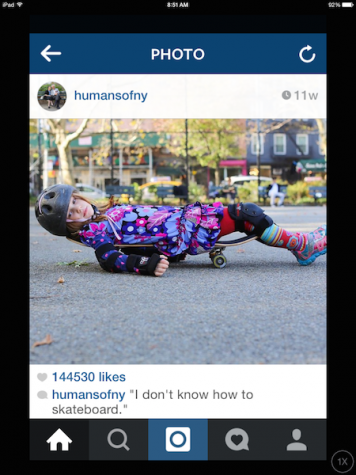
pixel 90 191
pixel 147 195
pixel 160 183
pixel 241 179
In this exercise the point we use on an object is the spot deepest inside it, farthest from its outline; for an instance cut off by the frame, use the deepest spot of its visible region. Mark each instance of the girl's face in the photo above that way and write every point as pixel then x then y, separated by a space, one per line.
pixel 79 209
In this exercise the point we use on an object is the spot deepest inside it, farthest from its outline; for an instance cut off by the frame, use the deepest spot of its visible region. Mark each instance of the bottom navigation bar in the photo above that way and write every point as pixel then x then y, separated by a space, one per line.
pixel 178 439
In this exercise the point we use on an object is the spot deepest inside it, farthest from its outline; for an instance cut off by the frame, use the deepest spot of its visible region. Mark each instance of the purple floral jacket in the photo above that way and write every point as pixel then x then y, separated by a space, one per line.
pixel 191 229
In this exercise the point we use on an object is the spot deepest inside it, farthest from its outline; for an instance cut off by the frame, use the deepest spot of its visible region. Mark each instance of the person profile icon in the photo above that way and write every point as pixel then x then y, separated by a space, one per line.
pixel 296 434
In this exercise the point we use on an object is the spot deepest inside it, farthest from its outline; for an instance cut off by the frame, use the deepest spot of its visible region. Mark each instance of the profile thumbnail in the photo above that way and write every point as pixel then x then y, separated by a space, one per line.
pixel 52 96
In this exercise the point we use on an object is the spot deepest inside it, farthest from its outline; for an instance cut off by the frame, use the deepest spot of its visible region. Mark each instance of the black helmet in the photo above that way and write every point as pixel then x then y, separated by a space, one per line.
pixel 52 206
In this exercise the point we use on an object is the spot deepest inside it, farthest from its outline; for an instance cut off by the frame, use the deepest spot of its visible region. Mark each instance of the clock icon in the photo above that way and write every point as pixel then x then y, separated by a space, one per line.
pixel 286 95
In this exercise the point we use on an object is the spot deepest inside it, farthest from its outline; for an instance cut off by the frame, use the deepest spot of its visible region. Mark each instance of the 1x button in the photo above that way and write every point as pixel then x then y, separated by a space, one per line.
pixel 342 461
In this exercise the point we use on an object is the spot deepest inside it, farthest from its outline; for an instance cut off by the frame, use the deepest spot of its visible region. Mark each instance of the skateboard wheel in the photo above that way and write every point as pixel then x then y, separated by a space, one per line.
pixel 219 261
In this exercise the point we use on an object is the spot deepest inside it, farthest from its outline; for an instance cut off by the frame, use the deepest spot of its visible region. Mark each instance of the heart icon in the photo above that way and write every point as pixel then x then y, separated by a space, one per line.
pixel 236 439
pixel 42 376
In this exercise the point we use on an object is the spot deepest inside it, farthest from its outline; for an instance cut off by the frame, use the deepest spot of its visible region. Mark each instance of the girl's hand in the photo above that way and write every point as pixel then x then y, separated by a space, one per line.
pixel 162 266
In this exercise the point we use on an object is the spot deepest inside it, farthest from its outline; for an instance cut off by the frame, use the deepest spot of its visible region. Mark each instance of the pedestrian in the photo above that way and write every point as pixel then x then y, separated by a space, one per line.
pixel 173 231
pixel 47 95
pixel 274 191
pixel 181 191
pixel 57 97
pixel 229 191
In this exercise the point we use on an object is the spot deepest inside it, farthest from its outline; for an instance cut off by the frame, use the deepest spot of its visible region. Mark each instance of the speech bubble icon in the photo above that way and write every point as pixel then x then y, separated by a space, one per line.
pixel 42 395
pixel 42 376
pixel 240 436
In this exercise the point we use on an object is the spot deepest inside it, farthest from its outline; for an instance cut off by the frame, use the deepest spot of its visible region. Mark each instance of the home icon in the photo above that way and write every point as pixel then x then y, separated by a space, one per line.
pixel 59 437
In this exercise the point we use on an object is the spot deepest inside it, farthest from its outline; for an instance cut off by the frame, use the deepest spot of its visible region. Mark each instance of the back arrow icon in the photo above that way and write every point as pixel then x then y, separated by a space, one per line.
pixel 45 53
pixel 301 54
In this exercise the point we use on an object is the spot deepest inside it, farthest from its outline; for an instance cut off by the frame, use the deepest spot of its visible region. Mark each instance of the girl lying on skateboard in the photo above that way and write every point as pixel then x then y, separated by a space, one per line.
pixel 173 231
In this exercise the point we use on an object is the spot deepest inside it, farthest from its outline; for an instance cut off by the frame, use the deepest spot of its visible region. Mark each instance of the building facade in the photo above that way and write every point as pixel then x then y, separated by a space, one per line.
pixel 282 148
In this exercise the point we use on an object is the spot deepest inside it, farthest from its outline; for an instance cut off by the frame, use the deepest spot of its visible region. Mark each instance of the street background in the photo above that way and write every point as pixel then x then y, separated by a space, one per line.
pixel 262 308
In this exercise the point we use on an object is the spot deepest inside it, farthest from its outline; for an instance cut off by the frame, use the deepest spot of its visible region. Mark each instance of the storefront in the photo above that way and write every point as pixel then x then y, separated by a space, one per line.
pixel 233 168
pixel 311 166
pixel 133 157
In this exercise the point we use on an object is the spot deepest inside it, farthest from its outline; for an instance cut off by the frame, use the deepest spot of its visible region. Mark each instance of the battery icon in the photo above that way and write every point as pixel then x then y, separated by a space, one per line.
pixel 347 4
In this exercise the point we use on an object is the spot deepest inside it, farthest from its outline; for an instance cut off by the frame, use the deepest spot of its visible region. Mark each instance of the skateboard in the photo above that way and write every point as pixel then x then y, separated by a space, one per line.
pixel 216 253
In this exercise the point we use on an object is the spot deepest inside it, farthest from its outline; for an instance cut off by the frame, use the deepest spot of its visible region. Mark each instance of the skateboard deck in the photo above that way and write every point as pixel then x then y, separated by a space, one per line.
pixel 216 255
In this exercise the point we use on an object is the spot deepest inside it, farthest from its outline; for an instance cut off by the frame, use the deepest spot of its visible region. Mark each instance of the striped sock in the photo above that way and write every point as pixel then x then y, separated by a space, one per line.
pixel 278 237
pixel 273 236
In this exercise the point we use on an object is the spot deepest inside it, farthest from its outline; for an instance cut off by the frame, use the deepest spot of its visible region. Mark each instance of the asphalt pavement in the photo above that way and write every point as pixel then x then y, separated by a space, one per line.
pixel 262 308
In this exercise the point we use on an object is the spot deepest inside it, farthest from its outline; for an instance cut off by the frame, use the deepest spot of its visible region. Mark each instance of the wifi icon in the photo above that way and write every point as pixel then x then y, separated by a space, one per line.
pixel 19 4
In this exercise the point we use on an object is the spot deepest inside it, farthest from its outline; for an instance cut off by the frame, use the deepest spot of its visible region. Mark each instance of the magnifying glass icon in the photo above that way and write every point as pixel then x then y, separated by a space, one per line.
pixel 123 443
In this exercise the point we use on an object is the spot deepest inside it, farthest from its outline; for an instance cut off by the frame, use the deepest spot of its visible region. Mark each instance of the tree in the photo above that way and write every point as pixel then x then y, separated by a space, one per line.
pixel 130 139
pixel 64 131
pixel 62 140
pixel 209 140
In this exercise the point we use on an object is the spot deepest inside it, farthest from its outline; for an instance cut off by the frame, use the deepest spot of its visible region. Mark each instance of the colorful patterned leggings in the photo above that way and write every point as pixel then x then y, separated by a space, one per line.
pixel 273 236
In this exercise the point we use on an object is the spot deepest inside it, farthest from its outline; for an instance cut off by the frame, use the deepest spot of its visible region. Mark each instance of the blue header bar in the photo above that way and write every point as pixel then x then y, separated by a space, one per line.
pixel 272 53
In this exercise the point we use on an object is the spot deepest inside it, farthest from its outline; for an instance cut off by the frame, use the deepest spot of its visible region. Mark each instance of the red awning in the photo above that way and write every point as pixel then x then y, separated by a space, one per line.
pixel 232 163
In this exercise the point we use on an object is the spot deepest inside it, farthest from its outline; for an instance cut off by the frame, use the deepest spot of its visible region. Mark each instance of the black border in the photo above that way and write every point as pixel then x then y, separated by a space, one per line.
pixel 179 22
pixel 340 111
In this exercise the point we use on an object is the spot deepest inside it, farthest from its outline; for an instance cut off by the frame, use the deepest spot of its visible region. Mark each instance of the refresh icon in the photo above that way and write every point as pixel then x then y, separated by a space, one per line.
pixel 306 48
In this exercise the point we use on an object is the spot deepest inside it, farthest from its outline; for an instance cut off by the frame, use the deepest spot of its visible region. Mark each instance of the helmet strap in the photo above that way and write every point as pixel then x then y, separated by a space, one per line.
pixel 96 212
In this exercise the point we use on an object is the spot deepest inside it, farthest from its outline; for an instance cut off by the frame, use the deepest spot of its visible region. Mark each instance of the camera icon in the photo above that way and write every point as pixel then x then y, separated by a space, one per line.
pixel 177 439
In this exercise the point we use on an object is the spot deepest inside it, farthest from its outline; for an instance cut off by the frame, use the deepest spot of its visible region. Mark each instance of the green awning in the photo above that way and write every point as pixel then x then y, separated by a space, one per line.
pixel 120 139
pixel 167 171
pixel 313 165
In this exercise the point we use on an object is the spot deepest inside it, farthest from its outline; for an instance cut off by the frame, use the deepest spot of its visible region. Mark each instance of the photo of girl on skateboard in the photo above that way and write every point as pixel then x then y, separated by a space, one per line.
pixel 162 234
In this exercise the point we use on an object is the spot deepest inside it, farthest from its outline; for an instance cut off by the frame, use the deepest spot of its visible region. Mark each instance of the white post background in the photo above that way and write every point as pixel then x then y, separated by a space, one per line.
pixel 279 391
pixel 180 96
